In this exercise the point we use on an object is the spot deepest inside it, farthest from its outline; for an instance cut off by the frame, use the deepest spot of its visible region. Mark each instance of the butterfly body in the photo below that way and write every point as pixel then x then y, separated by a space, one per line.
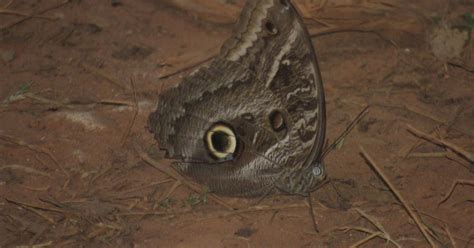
pixel 254 119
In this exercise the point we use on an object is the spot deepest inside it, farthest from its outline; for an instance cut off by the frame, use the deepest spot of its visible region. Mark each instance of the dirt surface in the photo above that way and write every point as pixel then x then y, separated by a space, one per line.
pixel 73 78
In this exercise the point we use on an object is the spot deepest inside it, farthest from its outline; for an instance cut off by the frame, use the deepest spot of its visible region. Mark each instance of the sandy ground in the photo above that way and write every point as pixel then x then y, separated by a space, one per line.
pixel 74 77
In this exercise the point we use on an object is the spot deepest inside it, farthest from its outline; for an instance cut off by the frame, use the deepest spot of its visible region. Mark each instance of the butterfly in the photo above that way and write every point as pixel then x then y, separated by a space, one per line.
pixel 253 120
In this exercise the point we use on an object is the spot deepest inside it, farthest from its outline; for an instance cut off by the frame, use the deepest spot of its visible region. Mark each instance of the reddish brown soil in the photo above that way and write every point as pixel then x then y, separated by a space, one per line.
pixel 69 178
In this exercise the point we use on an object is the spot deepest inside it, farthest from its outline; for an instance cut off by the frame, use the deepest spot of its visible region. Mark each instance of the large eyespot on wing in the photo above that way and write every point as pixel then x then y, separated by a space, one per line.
pixel 221 142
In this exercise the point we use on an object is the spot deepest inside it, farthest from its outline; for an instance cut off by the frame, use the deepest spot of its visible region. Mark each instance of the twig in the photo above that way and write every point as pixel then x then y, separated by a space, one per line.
pixel 432 139
pixel 429 227
pixel 44 244
pixel 47 101
pixel 413 110
pixel 146 186
pixel 467 69
pixel 374 222
pixel 459 160
pixel 17 13
pixel 384 234
pixel 346 229
pixel 398 196
pixel 427 154
pixel 73 103
pixel 35 149
pixel 35 189
pixel 173 187
pixel 188 67
pixel 333 30
pixel 37 236
pixel 155 213
pixel 34 14
pixel 102 75
pixel 430 215
pixel 446 229
pixel 462 201
pixel 259 209
pixel 54 210
pixel 178 177
pixel 25 169
pixel 8 4
pixel 135 114
pixel 365 240
pixel 113 102
pixel 33 208
pixel 453 186
pixel 443 232
pixel 346 132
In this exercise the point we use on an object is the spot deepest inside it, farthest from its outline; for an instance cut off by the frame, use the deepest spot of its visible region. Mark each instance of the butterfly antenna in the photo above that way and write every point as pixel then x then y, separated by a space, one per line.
pixel 346 132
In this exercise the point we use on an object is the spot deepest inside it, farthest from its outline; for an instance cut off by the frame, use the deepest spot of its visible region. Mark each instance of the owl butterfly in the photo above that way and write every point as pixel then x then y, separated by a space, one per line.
pixel 253 120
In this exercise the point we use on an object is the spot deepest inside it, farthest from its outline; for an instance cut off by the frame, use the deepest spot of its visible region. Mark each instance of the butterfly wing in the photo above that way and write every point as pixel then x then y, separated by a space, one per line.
pixel 266 89
pixel 271 40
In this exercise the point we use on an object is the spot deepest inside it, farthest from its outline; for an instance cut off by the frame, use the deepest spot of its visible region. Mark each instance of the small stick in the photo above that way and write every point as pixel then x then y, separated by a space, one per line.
pixel 346 132
pixel 372 220
pixel 25 169
pixel 432 139
pixel 346 229
pixel 188 67
pixel 462 201
pixel 114 102
pixel 17 13
pixel 74 103
pixel 8 4
pixel 47 101
pixel 367 239
pixel 459 160
pixel 173 187
pixel 146 186
pixel 349 29
pixel 379 226
pixel 446 229
pixel 405 152
pixel 102 75
pixel 430 215
pixel 451 190
pixel 34 14
pixel 429 228
pixel 38 235
pixel 260 209
pixel 178 177
pixel 35 189
pixel 132 121
pixel 443 232
pixel 23 204
pixel 420 113
pixel 45 244
pixel 35 149
pixel 33 210
pixel 427 154
pixel 42 215
pixel 397 195
pixel 464 67
pixel 380 234
pixel 159 213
